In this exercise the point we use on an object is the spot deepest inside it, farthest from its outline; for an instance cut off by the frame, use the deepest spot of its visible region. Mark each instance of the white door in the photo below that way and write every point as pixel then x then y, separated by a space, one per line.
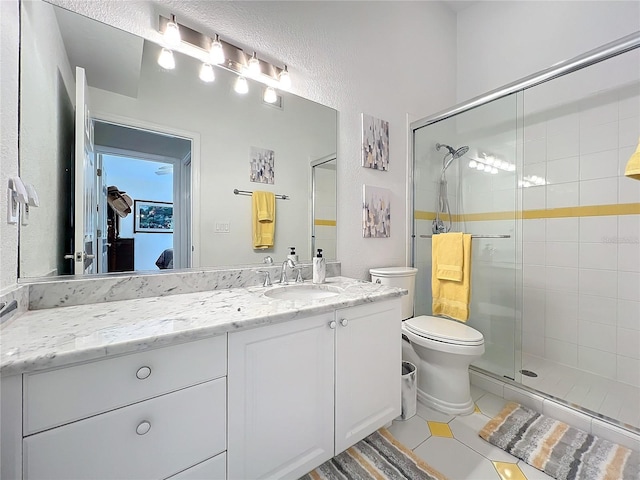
pixel 368 370
pixel 85 202
pixel 280 391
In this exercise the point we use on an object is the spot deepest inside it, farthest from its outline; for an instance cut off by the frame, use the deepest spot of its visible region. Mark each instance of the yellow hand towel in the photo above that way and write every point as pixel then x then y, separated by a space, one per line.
pixel 263 218
pixel 633 165
pixel 451 297
pixel 449 255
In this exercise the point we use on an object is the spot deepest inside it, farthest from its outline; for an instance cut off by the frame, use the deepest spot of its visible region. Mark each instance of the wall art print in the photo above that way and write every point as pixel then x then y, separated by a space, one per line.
pixel 376 212
pixel 375 143
pixel 262 163
pixel 152 217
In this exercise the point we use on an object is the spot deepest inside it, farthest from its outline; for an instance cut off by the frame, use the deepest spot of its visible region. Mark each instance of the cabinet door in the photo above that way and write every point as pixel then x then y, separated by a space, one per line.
pixel 368 370
pixel 281 384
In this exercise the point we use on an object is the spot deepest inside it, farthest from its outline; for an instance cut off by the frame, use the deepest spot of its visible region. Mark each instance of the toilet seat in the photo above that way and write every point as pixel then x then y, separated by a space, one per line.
pixel 444 330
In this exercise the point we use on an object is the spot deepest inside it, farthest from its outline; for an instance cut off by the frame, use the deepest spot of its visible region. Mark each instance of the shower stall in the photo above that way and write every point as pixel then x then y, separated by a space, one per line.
pixel 535 171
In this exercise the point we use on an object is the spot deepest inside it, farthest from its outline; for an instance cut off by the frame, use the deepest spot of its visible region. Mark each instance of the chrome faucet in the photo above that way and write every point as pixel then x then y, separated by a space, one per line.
pixel 283 273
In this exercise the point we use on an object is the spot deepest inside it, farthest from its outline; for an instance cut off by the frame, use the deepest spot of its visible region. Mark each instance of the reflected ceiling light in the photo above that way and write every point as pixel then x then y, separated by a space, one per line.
pixel 206 73
pixel 253 68
pixel 473 164
pixel 166 60
pixel 480 166
pixel 494 170
pixel 511 167
pixel 241 85
pixel 285 79
pixel 270 95
pixel 216 53
pixel 172 33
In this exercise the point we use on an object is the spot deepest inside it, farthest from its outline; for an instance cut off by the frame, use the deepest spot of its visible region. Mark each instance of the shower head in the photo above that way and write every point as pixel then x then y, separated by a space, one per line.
pixel 454 154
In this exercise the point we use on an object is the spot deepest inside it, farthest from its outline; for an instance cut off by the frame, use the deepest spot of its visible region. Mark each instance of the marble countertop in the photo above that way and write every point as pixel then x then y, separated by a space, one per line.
pixel 41 339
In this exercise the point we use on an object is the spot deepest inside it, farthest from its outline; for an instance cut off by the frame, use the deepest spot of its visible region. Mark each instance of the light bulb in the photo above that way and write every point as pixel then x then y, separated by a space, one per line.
pixel 166 60
pixel 526 184
pixel 253 68
pixel 480 166
pixel 473 164
pixel 172 33
pixel 285 79
pixel 489 160
pixel 206 73
pixel 270 95
pixel 511 167
pixel 216 53
pixel 241 85
pixel 494 170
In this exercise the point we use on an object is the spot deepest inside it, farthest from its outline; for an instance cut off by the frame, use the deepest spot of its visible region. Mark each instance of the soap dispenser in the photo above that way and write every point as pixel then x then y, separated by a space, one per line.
pixel 292 255
pixel 319 268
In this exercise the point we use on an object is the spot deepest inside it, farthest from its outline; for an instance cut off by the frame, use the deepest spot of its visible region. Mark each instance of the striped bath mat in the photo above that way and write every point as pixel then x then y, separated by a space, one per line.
pixel 379 457
pixel 561 451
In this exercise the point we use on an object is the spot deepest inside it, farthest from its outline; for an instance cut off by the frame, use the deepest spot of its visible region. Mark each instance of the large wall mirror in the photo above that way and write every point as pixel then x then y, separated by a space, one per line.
pixel 166 146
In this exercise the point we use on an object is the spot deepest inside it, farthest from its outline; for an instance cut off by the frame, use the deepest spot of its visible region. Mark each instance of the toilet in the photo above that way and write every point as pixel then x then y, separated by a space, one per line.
pixel 444 348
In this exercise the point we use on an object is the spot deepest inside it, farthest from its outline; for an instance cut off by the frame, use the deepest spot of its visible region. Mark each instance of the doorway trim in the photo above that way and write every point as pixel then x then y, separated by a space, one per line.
pixel 193 233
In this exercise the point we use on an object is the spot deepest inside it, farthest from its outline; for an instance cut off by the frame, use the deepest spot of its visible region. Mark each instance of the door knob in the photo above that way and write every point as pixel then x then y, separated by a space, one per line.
pixel 344 322
pixel 332 324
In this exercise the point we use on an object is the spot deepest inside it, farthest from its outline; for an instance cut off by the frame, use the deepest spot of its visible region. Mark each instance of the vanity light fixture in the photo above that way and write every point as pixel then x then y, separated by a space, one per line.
pixel 166 60
pixel 206 73
pixel 285 79
pixel 270 95
pixel 216 52
pixel 172 33
pixel 213 51
pixel 241 85
pixel 253 67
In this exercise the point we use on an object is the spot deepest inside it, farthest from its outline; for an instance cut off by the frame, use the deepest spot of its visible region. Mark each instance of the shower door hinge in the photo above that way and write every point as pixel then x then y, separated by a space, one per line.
pixel 99 172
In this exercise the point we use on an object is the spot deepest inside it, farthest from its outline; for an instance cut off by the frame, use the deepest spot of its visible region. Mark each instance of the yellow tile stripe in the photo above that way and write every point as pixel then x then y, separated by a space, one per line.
pixel 325 223
pixel 564 212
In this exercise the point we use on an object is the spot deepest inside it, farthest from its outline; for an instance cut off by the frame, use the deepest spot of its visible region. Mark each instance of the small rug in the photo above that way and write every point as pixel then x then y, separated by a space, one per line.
pixel 379 457
pixel 560 451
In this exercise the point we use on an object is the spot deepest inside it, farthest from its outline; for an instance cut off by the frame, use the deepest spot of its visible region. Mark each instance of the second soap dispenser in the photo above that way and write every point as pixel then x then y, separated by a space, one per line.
pixel 319 268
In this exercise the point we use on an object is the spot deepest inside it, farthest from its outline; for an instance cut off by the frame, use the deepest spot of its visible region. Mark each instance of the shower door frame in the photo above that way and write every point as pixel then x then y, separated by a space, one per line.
pixel 612 49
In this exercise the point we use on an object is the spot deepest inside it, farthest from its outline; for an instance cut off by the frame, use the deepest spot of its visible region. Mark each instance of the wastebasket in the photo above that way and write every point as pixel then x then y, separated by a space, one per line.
pixel 409 391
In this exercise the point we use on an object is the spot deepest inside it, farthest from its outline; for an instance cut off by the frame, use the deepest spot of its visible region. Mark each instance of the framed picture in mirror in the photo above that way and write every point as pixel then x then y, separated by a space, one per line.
pixel 153 217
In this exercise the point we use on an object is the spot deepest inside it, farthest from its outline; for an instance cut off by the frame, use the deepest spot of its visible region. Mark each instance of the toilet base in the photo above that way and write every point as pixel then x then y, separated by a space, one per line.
pixel 440 405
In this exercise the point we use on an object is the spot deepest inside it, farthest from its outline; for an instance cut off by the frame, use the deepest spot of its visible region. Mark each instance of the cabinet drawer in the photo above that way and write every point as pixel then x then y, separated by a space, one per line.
pixel 186 427
pixel 213 469
pixel 56 397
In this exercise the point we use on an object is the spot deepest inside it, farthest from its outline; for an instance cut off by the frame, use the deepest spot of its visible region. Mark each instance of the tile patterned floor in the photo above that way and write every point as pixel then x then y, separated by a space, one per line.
pixel 451 443
pixel 599 394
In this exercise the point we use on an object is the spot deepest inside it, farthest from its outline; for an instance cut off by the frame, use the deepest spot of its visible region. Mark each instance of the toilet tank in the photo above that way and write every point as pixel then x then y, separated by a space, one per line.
pixel 401 277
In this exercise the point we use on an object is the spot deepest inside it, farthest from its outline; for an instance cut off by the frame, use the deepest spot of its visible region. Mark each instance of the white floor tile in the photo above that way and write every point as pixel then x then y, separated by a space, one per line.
pixel 428 413
pixel 491 404
pixel 411 432
pixel 532 473
pixel 455 460
pixel 466 428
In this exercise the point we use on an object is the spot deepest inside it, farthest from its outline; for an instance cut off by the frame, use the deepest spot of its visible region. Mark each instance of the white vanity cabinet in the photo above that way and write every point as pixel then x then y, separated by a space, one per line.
pixel 301 392
pixel 147 415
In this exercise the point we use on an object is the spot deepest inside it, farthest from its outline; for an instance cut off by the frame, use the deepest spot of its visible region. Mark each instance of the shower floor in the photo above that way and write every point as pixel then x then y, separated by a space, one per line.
pixel 602 395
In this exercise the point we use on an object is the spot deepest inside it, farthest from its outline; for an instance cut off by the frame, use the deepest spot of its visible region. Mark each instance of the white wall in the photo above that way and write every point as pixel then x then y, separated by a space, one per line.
pixel 500 42
pixel 9 39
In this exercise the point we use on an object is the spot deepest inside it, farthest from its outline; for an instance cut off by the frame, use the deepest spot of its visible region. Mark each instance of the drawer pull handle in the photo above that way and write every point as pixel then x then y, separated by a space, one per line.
pixel 344 322
pixel 143 428
pixel 143 372
pixel 332 325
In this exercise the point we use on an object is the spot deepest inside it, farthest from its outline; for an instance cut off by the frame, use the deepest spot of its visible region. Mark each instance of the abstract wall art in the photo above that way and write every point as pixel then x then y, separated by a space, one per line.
pixel 375 143
pixel 376 212
pixel 262 163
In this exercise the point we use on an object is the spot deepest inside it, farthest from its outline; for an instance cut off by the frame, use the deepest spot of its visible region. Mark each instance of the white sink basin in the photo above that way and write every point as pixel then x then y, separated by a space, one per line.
pixel 302 292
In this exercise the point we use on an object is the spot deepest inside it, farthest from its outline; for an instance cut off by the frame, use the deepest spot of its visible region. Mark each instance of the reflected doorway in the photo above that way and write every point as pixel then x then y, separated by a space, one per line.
pixel 323 206
pixel 151 172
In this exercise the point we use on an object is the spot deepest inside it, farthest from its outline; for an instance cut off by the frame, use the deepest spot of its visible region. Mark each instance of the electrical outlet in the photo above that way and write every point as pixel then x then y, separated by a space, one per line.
pixel 222 227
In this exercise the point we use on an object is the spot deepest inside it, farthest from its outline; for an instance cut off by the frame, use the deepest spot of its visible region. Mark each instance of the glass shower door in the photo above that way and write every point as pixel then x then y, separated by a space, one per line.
pixel 475 191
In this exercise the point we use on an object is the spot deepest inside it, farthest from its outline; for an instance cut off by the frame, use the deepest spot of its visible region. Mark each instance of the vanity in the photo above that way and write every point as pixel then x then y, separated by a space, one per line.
pixel 229 383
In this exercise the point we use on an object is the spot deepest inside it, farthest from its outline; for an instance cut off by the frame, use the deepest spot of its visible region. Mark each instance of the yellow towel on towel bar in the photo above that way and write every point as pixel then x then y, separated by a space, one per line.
pixel 451 275
pixel 263 219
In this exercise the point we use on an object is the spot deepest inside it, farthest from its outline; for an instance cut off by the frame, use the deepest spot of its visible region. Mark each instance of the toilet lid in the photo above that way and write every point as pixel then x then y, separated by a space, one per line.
pixel 444 330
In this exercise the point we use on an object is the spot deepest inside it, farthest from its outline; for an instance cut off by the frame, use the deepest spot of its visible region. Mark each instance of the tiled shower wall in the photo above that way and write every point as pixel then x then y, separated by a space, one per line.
pixel 581 265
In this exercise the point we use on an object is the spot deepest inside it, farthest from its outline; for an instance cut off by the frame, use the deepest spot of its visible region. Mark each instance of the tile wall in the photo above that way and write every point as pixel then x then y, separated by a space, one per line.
pixel 581 270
